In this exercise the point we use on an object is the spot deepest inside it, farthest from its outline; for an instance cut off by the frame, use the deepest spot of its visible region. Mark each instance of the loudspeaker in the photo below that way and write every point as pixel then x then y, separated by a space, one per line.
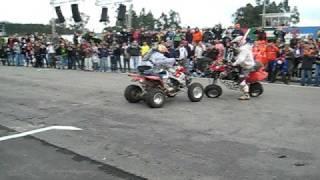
pixel 104 15
pixel 122 12
pixel 60 15
pixel 75 13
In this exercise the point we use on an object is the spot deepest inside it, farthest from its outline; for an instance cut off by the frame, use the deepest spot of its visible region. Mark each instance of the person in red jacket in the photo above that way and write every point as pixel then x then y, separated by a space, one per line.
pixel 261 53
pixel 272 53
pixel 197 36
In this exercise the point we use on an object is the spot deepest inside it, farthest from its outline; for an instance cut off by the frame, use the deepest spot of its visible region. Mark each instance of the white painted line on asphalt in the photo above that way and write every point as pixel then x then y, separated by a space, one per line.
pixel 69 128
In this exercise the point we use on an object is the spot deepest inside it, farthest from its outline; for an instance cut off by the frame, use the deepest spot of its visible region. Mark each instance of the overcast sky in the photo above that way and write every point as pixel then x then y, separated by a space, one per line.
pixel 202 13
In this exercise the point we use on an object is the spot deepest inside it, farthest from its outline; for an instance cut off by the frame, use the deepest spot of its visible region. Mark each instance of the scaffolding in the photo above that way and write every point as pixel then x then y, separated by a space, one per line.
pixel 272 20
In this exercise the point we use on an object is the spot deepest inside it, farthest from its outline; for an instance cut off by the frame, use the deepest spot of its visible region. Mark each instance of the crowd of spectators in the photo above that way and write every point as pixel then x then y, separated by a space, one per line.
pixel 122 51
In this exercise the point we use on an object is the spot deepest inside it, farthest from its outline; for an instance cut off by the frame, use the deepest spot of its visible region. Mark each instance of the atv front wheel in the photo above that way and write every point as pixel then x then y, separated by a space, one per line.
pixel 195 92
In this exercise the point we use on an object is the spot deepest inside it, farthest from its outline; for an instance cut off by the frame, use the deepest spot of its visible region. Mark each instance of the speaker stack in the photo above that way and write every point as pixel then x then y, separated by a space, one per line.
pixel 104 15
pixel 60 16
pixel 75 13
pixel 122 12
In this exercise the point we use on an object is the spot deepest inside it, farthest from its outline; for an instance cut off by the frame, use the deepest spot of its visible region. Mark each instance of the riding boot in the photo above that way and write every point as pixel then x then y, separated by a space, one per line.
pixel 244 97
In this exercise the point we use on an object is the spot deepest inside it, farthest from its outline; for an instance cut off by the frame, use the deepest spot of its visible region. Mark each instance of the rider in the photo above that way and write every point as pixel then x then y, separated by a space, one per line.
pixel 156 58
pixel 247 63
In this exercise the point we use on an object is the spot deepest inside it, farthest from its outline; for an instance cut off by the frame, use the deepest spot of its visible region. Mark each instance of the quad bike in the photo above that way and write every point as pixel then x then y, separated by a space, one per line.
pixel 230 77
pixel 156 85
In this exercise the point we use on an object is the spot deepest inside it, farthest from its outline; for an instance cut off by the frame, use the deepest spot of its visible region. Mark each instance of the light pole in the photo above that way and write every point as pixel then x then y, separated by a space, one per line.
pixel 264 14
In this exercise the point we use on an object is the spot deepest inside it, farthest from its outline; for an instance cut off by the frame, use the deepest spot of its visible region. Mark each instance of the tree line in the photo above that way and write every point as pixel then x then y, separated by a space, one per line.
pixel 250 15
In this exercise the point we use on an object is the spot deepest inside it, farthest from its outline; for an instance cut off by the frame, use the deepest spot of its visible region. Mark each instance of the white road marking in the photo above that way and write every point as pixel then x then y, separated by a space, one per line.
pixel 69 128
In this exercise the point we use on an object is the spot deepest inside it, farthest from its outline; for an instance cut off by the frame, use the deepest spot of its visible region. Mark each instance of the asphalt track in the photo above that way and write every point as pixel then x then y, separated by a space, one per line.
pixel 275 136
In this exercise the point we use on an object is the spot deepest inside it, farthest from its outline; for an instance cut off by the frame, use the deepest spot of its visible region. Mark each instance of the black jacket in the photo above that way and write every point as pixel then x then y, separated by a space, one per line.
pixel 134 51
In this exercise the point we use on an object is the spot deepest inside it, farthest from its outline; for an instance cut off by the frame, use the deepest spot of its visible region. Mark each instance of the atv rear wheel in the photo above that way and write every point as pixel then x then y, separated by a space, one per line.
pixel 155 98
pixel 256 89
pixel 213 91
pixel 133 94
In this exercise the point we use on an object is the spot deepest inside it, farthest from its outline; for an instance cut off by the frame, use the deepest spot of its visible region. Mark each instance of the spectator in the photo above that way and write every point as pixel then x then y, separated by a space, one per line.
pixel 95 57
pixel 144 49
pixel 126 58
pixel 219 50
pixel 307 63
pixel 281 64
pixel 177 38
pixel 289 55
pixel 62 56
pixel 116 61
pixel 217 32
pixel 298 55
pixel 3 54
pixel 87 57
pixel 273 53
pixel 197 36
pixel 317 77
pixel 134 52
pixel 37 55
pixel 72 56
pixel 237 31
pixel 43 55
pixel 294 41
pixel 198 55
pixel 280 34
pixel 261 34
pixel 183 55
pixel 137 36
pixel 104 61
pixel 207 36
pixel 51 55
pixel 189 35
pixel 29 54
pixel 17 54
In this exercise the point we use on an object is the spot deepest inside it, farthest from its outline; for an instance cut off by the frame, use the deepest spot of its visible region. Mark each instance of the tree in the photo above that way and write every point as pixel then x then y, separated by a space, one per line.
pixel 149 21
pixel 22 29
pixel 250 15
pixel 135 20
pixel 163 21
pixel 295 17
pixel 174 19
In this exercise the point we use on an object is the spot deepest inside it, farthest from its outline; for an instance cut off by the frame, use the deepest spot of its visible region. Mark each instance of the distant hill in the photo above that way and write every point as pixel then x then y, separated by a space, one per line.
pixel 21 29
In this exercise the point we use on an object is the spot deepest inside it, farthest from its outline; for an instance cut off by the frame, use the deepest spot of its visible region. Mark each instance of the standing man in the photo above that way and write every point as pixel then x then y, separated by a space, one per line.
pixel 183 55
pixel 17 53
pixel 272 53
pixel 103 54
pixel 126 58
pixel 308 59
pixel 134 52
pixel 51 54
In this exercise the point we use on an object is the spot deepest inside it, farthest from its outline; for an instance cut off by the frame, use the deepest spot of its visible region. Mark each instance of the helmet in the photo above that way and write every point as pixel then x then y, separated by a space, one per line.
pixel 162 49
pixel 240 40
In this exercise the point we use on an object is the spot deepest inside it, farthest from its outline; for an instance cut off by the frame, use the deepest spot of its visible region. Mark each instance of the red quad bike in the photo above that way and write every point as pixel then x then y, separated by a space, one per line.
pixel 230 77
pixel 153 88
